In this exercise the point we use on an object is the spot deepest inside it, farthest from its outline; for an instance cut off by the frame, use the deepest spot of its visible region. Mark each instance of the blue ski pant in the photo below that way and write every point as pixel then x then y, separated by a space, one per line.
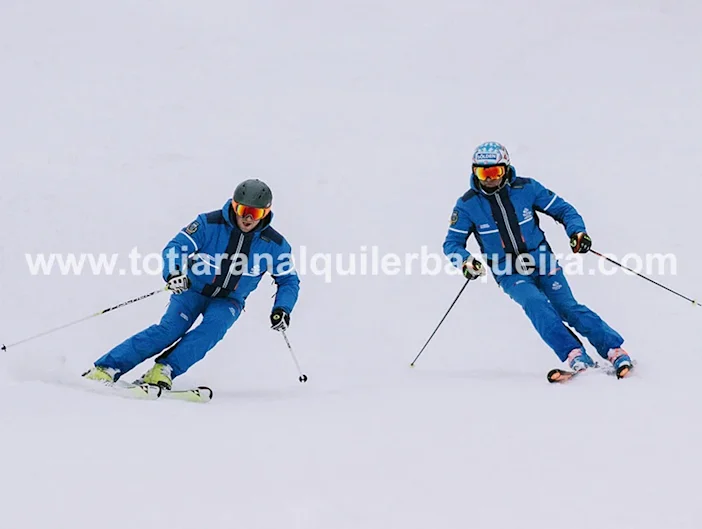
pixel 218 315
pixel 548 302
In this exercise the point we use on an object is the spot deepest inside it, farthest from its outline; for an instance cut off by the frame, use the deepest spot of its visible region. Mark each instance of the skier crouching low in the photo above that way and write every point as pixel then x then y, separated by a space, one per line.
pixel 214 288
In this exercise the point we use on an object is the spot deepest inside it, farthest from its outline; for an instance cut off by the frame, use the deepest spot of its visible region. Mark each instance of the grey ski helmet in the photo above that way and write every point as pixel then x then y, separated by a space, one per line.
pixel 253 193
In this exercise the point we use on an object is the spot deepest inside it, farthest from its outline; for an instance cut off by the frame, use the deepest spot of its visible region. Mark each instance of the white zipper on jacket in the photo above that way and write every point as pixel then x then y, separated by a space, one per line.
pixel 230 272
pixel 504 216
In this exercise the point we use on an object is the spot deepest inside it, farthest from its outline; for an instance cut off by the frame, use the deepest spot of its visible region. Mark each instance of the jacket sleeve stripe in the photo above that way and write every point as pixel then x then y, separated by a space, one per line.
pixel 291 271
pixel 459 231
pixel 550 203
pixel 191 240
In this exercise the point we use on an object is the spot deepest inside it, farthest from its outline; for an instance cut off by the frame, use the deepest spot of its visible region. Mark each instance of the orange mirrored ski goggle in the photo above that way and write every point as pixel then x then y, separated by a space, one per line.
pixel 244 211
pixel 492 172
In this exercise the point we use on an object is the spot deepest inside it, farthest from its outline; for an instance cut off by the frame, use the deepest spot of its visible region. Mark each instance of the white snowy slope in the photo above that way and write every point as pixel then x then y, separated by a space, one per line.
pixel 121 121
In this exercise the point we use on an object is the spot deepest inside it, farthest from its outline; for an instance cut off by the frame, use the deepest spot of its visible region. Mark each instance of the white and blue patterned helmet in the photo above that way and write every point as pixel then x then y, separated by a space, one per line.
pixel 490 153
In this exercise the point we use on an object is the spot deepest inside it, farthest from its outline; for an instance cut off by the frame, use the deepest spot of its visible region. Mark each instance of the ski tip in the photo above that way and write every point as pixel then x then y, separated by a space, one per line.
pixel 559 375
pixel 623 372
pixel 554 375
pixel 206 393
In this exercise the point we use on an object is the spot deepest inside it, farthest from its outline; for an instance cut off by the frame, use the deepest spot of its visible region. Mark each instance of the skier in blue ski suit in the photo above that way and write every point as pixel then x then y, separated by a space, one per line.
pixel 212 265
pixel 501 209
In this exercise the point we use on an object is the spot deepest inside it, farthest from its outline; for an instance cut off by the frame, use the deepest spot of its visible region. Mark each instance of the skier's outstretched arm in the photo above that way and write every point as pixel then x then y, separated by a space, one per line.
pixel 546 201
pixel 286 279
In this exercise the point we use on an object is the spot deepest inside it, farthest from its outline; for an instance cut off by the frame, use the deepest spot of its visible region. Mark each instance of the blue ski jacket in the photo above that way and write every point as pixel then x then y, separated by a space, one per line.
pixel 506 223
pixel 224 262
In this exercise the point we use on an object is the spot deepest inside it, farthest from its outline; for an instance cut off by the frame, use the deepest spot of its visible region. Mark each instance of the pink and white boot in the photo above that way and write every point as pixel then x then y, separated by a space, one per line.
pixel 579 360
pixel 621 361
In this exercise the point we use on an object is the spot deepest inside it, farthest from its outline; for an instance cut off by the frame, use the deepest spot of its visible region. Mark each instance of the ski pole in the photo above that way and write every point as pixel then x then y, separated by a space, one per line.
pixel 646 278
pixel 442 321
pixel 303 377
pixel 110 309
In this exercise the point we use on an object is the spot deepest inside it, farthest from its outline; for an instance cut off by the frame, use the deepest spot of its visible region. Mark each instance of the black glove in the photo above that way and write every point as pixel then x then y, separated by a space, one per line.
pixel 580 242
pixel 178 282
pixel 280 320
pixel 473 269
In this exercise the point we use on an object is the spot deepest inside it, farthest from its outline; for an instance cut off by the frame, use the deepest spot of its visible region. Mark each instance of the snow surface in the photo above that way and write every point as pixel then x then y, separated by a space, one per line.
pixel 124 120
